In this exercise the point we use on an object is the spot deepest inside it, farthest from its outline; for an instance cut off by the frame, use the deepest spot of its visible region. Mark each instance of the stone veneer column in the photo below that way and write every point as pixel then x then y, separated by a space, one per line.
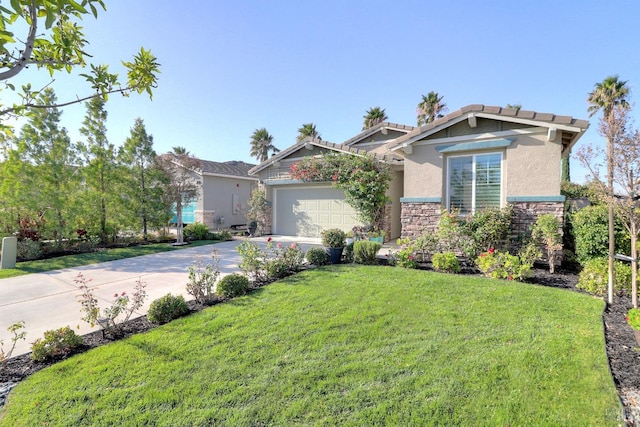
pixel 418 215
pixel 268 220
pixel 206 217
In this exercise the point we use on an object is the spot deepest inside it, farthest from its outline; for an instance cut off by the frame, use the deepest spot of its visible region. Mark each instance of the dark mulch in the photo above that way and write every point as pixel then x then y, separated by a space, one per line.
pixel 621 347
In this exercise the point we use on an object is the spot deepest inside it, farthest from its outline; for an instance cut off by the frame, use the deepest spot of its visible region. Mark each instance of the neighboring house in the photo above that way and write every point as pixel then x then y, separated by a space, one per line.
pixel 223 192
pixel 478 156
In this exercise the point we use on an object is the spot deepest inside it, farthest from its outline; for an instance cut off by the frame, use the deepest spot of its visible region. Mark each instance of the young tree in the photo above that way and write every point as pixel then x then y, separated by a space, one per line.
pixel 605 96
pixel 374 116
pixel 307 130
pixel 430 108
pixel 49 151
pixel 100 165
pixel 179 168
pixel 50 38
pixel 144 184
pixel 262 144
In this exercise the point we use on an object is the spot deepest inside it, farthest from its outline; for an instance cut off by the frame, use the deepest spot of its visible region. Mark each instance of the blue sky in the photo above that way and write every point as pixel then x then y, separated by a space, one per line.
pixel 229 67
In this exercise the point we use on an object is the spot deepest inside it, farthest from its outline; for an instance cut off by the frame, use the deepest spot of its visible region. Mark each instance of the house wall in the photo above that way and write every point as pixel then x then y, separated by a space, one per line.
pixel 393 223
pixel 223 197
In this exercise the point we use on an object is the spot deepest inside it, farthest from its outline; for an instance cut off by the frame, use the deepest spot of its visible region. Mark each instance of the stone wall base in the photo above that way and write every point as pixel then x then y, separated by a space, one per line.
pixel 206 217
pixel 418 217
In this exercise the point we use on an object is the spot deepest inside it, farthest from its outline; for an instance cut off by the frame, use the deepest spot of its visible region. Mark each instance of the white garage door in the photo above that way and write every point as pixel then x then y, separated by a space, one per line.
pixel 306 211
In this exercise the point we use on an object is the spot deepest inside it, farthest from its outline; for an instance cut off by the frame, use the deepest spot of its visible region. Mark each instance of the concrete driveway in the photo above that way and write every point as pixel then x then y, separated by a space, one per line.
pixel 46 301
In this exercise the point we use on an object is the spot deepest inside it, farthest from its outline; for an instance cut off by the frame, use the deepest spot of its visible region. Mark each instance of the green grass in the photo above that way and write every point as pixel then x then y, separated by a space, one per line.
pixel 346 345
pixel 38 266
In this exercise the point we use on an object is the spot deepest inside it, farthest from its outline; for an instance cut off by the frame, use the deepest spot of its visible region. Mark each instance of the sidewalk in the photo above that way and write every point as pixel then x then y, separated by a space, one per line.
pixel 46 301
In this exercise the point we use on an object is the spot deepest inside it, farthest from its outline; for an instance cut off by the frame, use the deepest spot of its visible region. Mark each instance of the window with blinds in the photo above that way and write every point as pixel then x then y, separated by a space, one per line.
pixel 474 182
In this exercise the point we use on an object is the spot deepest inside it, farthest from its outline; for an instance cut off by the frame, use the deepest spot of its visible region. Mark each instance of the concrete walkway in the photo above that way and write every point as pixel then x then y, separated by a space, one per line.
pixel 46 301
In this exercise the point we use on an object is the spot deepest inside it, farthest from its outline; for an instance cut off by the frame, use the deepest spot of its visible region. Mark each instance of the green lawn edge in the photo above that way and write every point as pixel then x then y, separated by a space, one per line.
pixel 347 345
pixel 104 255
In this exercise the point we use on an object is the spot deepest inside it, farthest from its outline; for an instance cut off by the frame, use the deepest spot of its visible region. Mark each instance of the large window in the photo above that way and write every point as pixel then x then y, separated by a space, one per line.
pixel 474 182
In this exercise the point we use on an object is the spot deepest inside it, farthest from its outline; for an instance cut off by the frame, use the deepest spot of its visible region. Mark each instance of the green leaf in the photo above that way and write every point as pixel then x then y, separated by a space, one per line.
pixel 77 6
pixel 15 4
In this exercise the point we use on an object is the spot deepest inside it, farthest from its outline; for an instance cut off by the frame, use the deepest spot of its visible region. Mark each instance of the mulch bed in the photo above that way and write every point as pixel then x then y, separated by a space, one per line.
pixel 622 350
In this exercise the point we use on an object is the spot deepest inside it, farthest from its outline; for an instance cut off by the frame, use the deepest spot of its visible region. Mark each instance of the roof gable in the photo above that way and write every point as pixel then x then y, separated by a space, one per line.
pixel 481 114
pixel 381 131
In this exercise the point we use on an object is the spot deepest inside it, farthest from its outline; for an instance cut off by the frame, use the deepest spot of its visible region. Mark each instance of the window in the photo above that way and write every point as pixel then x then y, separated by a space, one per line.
pixel 474 182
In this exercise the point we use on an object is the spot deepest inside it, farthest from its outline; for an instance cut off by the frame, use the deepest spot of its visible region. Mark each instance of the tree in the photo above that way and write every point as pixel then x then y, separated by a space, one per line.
pixel 516 107
pixel 626 178
pixel 262 144
pixel 374 116
pixel 308 130
pixel 50 153
pixel 60 45
pixel 430 108
pixel 605 96
pixel 100 166
pixel 179 169
pixel 144 180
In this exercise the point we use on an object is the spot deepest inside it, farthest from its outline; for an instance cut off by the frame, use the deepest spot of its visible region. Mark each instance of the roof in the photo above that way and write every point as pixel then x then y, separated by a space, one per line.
pixel 377 128
pixel 341 148
pixel 230 168
pixel 533 118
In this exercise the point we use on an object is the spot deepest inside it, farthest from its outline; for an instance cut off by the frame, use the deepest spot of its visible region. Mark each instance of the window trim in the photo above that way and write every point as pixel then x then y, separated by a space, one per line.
pixel 473 188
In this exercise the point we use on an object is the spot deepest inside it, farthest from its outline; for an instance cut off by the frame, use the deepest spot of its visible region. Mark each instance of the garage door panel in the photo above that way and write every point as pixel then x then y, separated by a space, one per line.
pixel 306 211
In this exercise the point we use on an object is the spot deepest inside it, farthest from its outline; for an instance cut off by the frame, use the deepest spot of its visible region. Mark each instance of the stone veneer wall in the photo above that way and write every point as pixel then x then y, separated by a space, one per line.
pixel 416 217
pixel 268 221
pixel 525 215
pixel 386 222
pixel 206 217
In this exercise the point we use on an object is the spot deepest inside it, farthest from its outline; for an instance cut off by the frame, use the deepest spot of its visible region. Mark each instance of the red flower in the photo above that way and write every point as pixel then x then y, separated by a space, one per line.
pixel 491 250
pixel 115 295
pixel 279 245
pixel 269 240
pixel 510 277
pixel 626 318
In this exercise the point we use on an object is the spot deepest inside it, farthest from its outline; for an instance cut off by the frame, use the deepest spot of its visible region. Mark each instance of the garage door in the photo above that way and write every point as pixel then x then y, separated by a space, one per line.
pixel 306 211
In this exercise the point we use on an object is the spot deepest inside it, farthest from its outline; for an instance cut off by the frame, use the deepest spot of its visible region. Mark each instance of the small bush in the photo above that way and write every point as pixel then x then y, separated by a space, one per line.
pixel 203 278
pixel 196 231
pixel 594 277
pixel 446 262
pixel 223 235
pixel 29 250
pixel 233 285
pixel 55 343
pixel 348 253
pixel 364 252
pixel 503 265
pixel 591 232
pixel 404 258
pixel 317 256
pixel 167 308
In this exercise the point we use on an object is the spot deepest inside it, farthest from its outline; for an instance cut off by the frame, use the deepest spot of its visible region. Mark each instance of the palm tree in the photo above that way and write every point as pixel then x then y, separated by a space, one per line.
pixel 374 116
pixel 605 96
pixel 262 144
pixel 179 151
pixel 430 108
pixel 307 130
pixel 516 107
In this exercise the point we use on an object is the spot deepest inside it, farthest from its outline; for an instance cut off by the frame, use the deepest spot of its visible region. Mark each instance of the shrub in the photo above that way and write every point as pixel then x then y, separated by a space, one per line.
pixel 317 256
pixel 424 246
pixel 167 308
pixel 333 238
pixel 594 277
pixel 196 231
pixel 16 336
pixel 453 235
pixel 503 265
pixel 364 252
pixel 489 228
pixel 404 258
pixel 546 230
pixel 252 262
pixel 591 232
pixel 29 250
pixel 55 343
pixel 446 262
pixel 348 253
pixel 233 285
pixel 223 235
pixel 633 318
pixel 203 278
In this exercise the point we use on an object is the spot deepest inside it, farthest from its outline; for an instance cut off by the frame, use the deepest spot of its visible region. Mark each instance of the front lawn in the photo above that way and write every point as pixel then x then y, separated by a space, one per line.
pixel 346 345
pixel 102 255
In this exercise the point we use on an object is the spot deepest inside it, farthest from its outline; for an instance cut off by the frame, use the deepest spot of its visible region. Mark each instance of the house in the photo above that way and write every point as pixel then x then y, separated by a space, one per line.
pixel 223 190
pixel 476 157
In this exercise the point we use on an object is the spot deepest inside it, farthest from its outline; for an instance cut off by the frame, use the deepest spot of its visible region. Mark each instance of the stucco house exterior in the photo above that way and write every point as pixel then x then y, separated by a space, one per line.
pixel 223 192
pixel 475 157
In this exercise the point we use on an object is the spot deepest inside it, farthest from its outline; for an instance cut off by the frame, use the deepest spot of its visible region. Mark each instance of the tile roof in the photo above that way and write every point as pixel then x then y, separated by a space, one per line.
pixel 508 114
pixel 373 129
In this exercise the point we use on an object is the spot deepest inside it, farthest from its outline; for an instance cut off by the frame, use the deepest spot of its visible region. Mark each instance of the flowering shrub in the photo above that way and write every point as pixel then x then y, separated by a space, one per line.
pixel 203 278
pixel 109 318
pixel 446 262
pixel 404 258
pixel 14 328
pixel 274 262
pixel 55 343
pixel 502 265
pixel 633 318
